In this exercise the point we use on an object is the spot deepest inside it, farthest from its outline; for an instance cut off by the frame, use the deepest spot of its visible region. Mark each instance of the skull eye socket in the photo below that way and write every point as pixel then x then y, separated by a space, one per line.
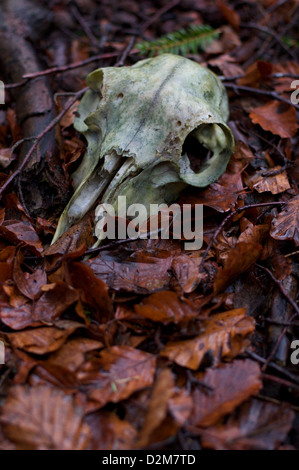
pixel 197 153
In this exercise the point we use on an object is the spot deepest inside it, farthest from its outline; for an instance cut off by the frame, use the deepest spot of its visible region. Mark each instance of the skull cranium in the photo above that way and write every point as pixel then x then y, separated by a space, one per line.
pixel 136 120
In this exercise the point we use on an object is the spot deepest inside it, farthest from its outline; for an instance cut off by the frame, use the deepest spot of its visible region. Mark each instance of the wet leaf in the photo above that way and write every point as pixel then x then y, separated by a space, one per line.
pixel 43 418
pixel 239 260
pixel 110 432
pixel 119 372
pixel 232 385
pixel 56 298
pixel 29 284
pixel 141 272
pixel 224 336
pixel 43 340
pixel 162 392
pixel 256 426
pixel 20 232
pixel 275 184
pixel 94 291
pixel 166 307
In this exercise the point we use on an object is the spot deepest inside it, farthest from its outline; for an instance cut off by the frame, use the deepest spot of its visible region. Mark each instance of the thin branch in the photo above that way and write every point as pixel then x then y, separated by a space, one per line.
pixel 270 33
pixel 281 288
pixel 257 91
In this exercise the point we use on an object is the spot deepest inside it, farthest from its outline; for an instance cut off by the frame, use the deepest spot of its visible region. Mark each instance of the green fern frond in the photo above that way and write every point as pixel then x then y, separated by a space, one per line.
pixel 181 42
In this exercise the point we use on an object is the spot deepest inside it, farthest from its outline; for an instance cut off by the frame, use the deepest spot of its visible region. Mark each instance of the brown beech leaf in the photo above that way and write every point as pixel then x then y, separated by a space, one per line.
pixel 165 307
pixel 256 426
pixel 119 372
pixel 239 260
pixel 18 317
pixel 286 224
pixel 163 390
pixel 254 234
pixel 43 418
pixel 21 232
pixel 6 264
pixel 28 283
pixel 276 117
pixel 256 73
pixel 94 291
pixel 56 298
pixel 275 184
pixel 72 354
pixel 232 384
pixel 141 272
pixel 186 270
pixel 229 13
pixel 225 335
pixel 43 340
pixel 110 432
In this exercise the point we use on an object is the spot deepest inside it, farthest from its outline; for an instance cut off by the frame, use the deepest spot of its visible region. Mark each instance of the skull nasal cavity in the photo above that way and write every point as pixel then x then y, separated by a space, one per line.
pixel 197 153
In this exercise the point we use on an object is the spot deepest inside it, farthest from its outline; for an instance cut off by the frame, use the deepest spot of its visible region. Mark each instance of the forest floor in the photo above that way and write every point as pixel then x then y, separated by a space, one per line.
pixel 146 345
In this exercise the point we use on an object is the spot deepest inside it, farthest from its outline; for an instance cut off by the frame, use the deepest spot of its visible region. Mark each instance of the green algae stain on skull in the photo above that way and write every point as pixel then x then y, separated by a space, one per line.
pixel 136 121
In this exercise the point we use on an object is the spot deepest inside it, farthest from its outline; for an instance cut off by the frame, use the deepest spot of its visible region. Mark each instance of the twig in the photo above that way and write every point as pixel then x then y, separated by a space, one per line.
pixel 75 65
pixel 93 40
pixel 279 369
pixel 50 126
pixel 126 52
pixel 281 288
pixel 159 13
pixel 226 220
pixel 280 381
pixel 257 91
pixel 271 33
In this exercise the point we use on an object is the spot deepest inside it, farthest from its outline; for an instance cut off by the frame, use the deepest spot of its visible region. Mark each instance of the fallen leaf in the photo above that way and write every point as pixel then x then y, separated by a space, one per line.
pixel 56 298
pixel 163 390
pixel 72 354
pixel 186 270
pixel 276 117
pixel 286 224
pixel 43 340
pixel 119 372
pixel 94 291
pixel 256 426
pixel 43 418
pixel 21 232
pixel 110 432
pixel 141 272
pixel 165 307
pixel 232 384
pixel 275 184
pixel 229 13
pixel 239 260
pixel 224 336
pixel 29 284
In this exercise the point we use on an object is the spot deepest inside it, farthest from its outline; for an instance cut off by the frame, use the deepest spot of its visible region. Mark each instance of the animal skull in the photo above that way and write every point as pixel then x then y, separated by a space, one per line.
pixel 136 120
